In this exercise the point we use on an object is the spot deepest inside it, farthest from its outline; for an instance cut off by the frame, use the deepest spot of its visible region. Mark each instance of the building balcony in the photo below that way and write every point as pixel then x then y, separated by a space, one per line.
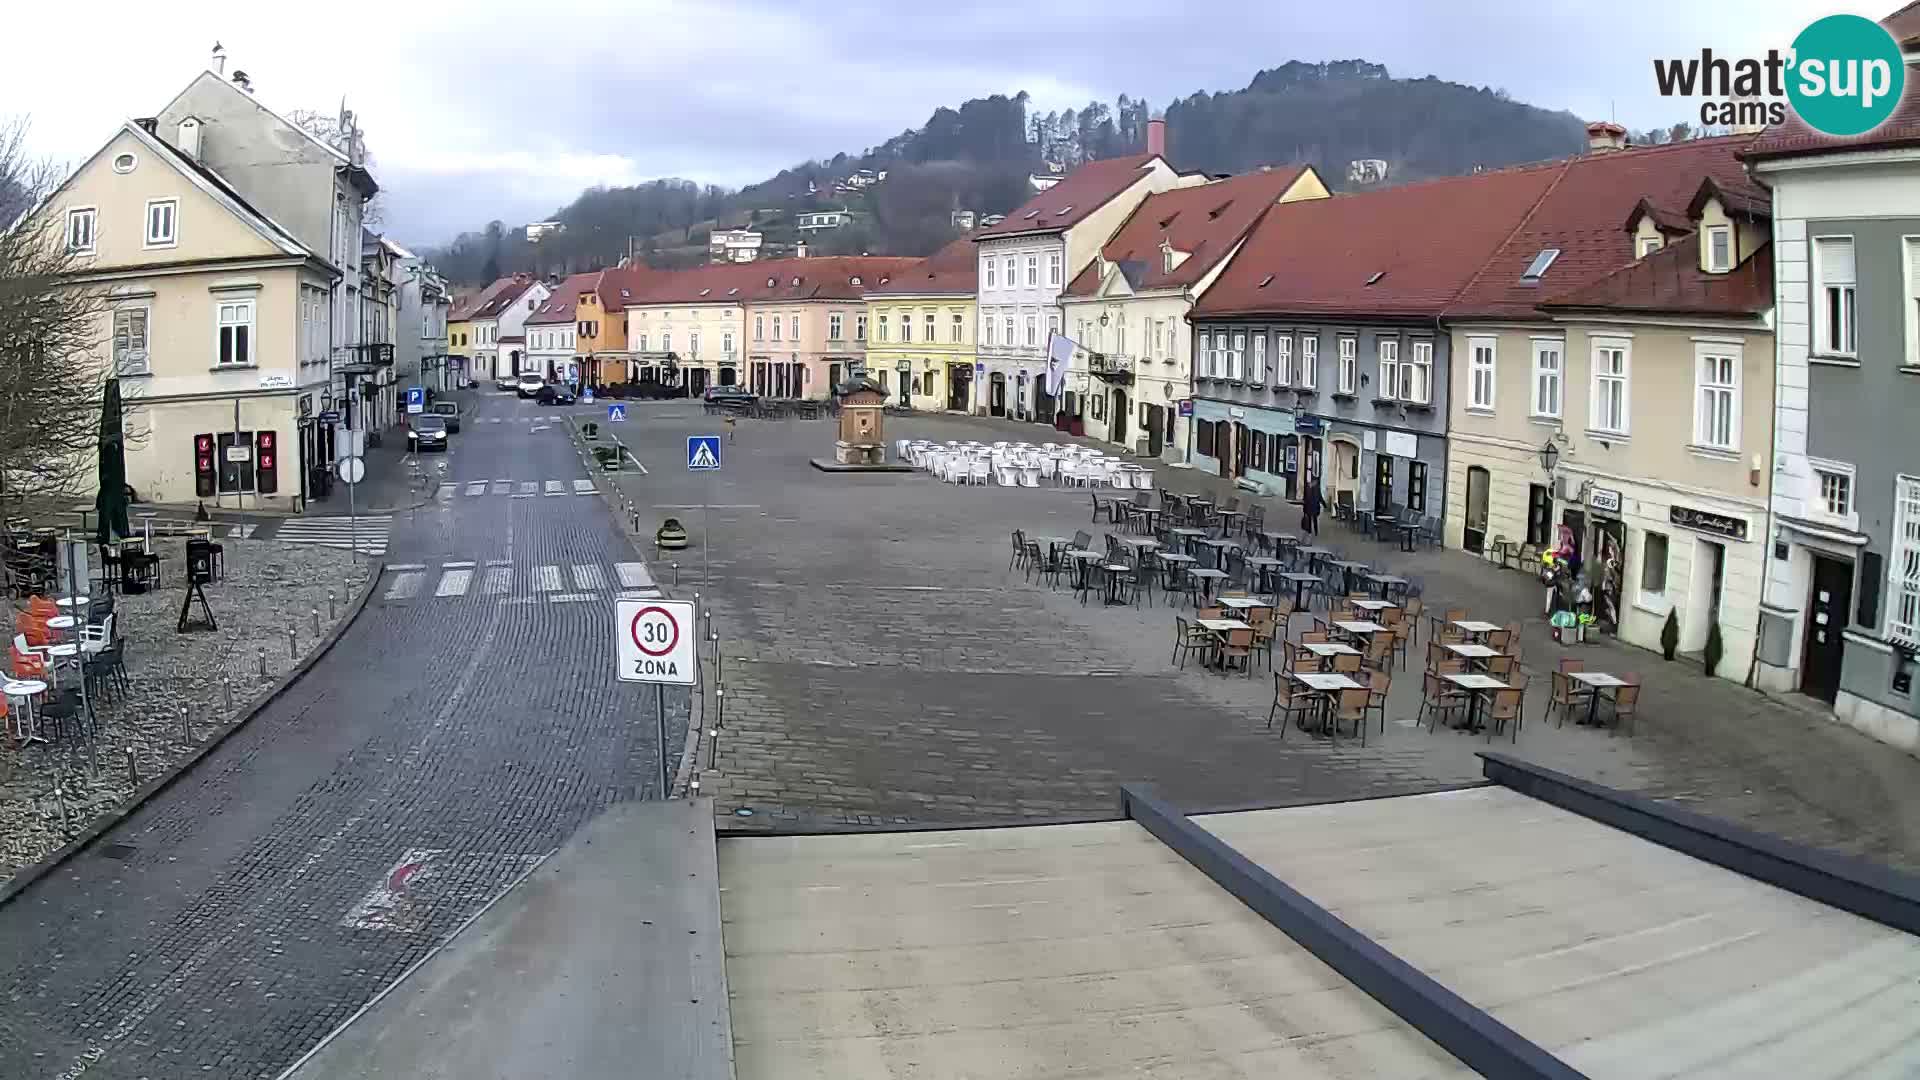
pixel 1113 367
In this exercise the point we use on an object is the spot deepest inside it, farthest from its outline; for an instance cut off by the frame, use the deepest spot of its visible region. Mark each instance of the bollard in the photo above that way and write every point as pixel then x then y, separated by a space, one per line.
pixel 226 685
pixel 186 724
pixel 332 612
pixel 316 622
pixel 262 651
pixel 293 643
pixel 133 769
pixel 676 573
pixel 60 799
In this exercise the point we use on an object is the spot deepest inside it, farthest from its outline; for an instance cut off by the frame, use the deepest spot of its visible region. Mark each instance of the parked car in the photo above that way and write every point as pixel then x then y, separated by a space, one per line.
pixel 448 411
pixel 653 390
pixel 427 431
pixel 507 382
pixel 529 385
pixel 554 394
pixel 727 394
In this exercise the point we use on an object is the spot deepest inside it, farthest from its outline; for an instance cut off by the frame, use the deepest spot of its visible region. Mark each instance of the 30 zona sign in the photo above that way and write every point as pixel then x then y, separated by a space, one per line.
pixel 655 640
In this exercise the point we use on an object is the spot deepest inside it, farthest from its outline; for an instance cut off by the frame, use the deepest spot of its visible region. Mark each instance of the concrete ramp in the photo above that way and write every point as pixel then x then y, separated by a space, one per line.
pixel 606 962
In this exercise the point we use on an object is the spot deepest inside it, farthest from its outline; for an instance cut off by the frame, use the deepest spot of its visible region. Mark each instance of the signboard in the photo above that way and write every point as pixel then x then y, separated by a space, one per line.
pixel 979 369
pixel 416 399
pixel 1236 414
pixel 1605 499
pixel 352 469
pixel 1309 425
pixel 586 394
pixel 1366 440
pixel 331 416
pixel 1687 517
pixel 703 453
pixel 616 414
pixel 275 380
pixel 1402 444
pixel 1293 459
pixel 1186 407
pixel 654 640
pixel 239 453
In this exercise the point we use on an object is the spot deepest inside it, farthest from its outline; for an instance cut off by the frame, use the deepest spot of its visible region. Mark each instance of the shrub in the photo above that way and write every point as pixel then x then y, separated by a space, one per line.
pixel 1670 636
pixel 1715 647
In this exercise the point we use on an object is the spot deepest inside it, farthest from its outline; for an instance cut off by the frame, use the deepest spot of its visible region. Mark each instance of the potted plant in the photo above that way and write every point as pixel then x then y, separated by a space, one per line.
pixel 1715 647
pixel 1670 636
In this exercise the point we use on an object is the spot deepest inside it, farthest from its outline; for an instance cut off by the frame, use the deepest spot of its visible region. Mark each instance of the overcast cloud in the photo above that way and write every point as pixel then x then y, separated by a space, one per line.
pixel 486 109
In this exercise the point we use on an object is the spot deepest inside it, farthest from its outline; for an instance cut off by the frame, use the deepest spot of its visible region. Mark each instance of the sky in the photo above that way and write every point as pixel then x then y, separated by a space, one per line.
pixel 484 109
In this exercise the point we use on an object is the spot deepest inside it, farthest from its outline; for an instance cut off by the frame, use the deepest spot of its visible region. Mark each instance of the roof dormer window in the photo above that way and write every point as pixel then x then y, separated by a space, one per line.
pixel 854 280
pixel 1538 267
pixel 1719 249
pixel 796 282
pixel 770 282
pixel 1648 245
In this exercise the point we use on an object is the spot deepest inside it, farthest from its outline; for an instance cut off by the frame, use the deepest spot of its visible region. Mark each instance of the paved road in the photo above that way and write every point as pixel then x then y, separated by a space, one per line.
pixel 883 665
pixel 465 725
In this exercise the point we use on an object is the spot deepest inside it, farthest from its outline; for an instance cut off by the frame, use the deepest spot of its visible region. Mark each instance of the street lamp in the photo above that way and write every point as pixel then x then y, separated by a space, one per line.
pixel 1549 456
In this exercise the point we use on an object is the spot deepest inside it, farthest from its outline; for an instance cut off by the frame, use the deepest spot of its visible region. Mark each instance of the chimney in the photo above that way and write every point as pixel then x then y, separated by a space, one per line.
pixel 1157 136
pixel 1604 137
pixel 240 80
pixel 189 141
pixel 219 64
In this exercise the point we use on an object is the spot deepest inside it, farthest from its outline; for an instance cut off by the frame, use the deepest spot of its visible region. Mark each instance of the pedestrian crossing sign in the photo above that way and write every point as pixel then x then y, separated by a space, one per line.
pixel 616 414
pixel 703 452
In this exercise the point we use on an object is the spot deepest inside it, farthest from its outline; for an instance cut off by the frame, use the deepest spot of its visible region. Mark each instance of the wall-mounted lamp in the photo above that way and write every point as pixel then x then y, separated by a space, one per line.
pixel 1753 471
pixel 1549 455
pixel 1103 318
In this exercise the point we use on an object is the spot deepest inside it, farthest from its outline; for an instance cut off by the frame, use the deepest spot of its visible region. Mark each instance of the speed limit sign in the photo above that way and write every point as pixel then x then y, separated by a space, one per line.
pixel 655 640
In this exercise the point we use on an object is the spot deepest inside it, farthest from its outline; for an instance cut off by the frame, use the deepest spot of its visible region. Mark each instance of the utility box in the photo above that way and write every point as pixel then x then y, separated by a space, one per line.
pixel 862 415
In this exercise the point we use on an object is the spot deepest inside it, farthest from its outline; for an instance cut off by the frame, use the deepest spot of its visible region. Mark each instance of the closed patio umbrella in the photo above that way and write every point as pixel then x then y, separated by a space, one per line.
pixel 111 502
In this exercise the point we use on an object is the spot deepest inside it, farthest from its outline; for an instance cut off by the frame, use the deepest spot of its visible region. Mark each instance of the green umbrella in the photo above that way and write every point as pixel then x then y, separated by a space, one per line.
pixel 111 502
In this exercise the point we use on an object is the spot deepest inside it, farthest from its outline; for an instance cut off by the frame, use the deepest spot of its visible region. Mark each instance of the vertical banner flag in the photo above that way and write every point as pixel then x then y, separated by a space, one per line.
pixel 1059 355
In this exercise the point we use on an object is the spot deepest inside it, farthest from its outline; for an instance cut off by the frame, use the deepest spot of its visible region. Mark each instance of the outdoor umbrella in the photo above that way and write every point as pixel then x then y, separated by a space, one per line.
pixel 111 502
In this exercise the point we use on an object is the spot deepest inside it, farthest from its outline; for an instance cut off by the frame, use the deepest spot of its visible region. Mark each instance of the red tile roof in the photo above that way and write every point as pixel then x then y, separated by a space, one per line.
pixel 1794 138
pixel 1904 24
pixel 954 270
pixel 1205 222
pixel 1582 214
pixel 826 278
pixel 481 299
pixel 1670 282
pixel 619 285
pixel 497 304
pixel 559 307
pixel 1078 194
pixel 1423 241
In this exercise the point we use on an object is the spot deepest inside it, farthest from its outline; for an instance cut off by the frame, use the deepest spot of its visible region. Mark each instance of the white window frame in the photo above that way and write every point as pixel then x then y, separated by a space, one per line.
pixel 930 325
pixel 1283 360
pixel 90 215
pixel 1257 370
pixel 245 312
pixel 1006 324
pixel 1648 245
pixel 1848 295
pixel 1903 563
pixel 992 276
pixel 172 236
pixel 957 329
pixel 1910 297
pixel 986 329
pixel 1716 233
pixel 1033 270
pixel 1417 375
pixel 793 327
pixel 1053 269
pixel 1653 599
pixel 759 328
pixel 1310 361
pixel 693 343
pixel 1209 358
pixel 666 341
pixel 1817 506
pixel 1545 377
pixel 1715 352
pixel 1010 268
pixel 776 328
pixel 641 343
pixel 1603 379
pixel 836 326
pixel 726 343
pixel 906 327
pixel 1483 367
pixel 1347 375
pixel 860 326
pixel 882 327
pixel 133 361
pixel 1033 329
pixel 1387 378
pixel 1237 357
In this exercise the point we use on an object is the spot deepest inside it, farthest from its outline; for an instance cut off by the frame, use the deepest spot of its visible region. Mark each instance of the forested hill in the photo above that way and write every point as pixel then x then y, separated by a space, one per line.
pixel 978 157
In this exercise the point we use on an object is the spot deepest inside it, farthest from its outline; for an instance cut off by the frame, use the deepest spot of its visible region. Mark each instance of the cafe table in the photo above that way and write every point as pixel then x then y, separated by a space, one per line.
pixel 1115 574
pixel 1349 569
pixel 1474 653
pixel 1595 681
pixel 1219 628
pixel 1359 628
pixel 1207 577
pixel 25 691
pixel 1241 603
pixel 1478 686
pixel 1327 650
pixel 1314 555
pixel 1386 583
pixel 1216 545
pixel 1375 606
pixel 1139 543
pixel 1300 582
pixel 1476 627
pixel 1326 684
pixel 1263 567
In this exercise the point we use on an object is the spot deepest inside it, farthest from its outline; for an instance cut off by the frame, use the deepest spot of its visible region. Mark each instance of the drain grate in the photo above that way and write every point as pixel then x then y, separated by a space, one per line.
pixel 121 852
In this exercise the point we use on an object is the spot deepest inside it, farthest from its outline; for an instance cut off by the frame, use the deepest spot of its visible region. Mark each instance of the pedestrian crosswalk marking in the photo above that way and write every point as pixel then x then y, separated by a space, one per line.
pixel 459 579
pixel 588 576
pixel 633 575
pixel 405 584
pixel 583 487
pixel 446 491
pixel 368 534
pixel 547 579
pixel 499 580
pixel 454 583
pixel 476 487
pixel 554 488
pixel 502 487
pixel 571 598
pixel 528 487
pixel 464 565
pixel 640 594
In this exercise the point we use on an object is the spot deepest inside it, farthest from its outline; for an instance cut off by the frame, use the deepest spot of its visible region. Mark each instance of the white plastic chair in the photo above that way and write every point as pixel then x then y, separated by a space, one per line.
pixel 978 473
pixel 1029 476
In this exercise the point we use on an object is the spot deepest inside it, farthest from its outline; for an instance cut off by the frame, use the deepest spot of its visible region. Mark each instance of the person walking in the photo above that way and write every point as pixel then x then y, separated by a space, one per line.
pixel 1310 506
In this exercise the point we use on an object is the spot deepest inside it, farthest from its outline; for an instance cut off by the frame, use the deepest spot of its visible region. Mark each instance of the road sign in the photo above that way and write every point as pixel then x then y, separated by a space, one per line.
pixel 703 452
pixel 616 414
pixel 586 394
pixel 331 416
pixel 352 469
pixel 655 640
pixel 416 399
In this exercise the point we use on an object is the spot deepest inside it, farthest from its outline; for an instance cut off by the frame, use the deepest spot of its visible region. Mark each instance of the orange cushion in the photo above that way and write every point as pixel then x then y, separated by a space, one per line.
pixel 43 607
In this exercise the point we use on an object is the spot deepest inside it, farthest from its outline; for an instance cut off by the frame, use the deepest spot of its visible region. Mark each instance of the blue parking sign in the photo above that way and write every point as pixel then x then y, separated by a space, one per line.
pixel 703 452
pixel 416 399
pixel 616 414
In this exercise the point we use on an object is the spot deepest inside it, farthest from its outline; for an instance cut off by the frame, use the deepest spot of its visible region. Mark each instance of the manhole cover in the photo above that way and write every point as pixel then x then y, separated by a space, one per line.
pixel 122 852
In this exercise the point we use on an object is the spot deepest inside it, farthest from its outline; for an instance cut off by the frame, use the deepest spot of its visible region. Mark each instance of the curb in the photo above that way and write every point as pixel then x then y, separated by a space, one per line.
pixel 25 879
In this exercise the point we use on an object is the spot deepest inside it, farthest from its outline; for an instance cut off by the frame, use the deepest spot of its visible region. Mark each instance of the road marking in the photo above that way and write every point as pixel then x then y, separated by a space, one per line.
pixel 245 532
pixel 571 597
pixel 640 594
pixel 454 583
pixel 407 566
pixel 502 487
pixel 499 562
pixel 476 487
pixel 499 580
pixel 583 487
pixel 404 585
pixel 554 487
pixel 446 491
pixel 588 576
pixel 528 487
pixel 464 565
pixel 547 579
pixel 706 506
pixel 633 575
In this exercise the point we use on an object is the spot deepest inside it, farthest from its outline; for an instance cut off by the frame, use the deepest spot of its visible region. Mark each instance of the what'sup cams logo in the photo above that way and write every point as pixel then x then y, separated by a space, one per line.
pixel 1843 76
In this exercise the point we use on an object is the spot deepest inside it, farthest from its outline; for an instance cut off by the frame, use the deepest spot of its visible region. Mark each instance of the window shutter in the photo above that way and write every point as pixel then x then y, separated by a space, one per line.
pixel 1872 577
pixel 1913 266
pixel 1836 261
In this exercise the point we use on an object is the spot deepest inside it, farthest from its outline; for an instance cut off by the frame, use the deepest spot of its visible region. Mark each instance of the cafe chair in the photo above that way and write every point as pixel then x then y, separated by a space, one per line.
pixel 1261 619
pixel 1238 645
pixel 1571 663
pixel 1500 667
pixel 1504 708
pixel 1626 704
pixel 1188 638
pixel 1437 697
pixel 1347 663
pixel 1350 706
pixel 1414 609
pixel 1566 695
pixel 1439 625
pixel 1019 550
pixel 1288 701
pixel 1378 683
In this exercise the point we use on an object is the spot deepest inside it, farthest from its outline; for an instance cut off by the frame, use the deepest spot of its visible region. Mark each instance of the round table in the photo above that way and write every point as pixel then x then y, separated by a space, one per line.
pixel 60 622
pixel 73 601
pixel 64 651
pixel 24 691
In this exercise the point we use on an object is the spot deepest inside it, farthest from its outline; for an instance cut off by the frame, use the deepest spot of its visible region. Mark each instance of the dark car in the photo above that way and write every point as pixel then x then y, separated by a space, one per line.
pixel 427 432
pixel 448 411
pixel 554 394
pixel 727 394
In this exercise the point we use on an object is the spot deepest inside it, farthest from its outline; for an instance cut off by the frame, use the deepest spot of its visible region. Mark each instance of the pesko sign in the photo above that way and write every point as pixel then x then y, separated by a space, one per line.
pixel 1843 76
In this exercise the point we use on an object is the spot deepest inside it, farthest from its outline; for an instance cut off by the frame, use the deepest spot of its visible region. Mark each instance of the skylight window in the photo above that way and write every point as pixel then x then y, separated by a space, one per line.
pixel 1067 209
pixel 1030 215
pixel 1266 281
pixel 1538 267
pixel 735 291
pixel 770 283
pixel 854 280
pixel 796 283
pixel 704 292
pixel 624 294
pixel 1377 275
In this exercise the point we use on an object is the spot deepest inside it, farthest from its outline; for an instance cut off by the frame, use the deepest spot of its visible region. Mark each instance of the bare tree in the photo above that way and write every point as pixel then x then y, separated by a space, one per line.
pixel 54 356
pixel 327 129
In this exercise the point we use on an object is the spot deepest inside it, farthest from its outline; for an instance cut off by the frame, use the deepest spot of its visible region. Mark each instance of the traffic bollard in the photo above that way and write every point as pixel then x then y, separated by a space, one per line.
pixel 332 612
pixel 60 799
pixel 262 651
pixel 226 686
pixel 316 622
pixel 676 573
pixel 133 769
pixel 186 724
pixel 293 644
